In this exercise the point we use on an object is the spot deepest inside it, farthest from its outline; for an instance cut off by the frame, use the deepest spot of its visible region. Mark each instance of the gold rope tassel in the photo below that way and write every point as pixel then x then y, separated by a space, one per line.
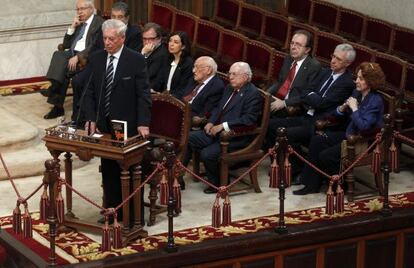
pixel 44 204
pixel 288 171
pixel 274 173
pixel 216 212
pixel 177 195
pixel 376 160
pixel 226 210
pixel 330 200
pixel 340 197
pixel 27 223
pixel 393 156
pixel 60 205
pixel 164 188
pixel 17 219
pixel 106 237
pixel 117 237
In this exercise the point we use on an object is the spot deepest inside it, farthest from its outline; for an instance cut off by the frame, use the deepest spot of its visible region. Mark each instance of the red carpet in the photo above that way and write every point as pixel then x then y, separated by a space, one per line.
pixel 76 247
pixel 23 86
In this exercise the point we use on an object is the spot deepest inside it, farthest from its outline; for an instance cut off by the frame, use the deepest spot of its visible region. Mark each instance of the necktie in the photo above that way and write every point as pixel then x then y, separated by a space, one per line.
pixel 323 90
pixel 283 90
pixel 109 80
pixel 78 37
pixel 229 100
pixel 189 97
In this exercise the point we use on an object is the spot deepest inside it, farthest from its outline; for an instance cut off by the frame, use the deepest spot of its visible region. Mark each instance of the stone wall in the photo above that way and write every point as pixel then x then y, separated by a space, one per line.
pixel 30 31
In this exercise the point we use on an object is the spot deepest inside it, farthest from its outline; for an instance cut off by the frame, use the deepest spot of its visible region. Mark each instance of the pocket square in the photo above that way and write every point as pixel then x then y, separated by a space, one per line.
pixel 126 78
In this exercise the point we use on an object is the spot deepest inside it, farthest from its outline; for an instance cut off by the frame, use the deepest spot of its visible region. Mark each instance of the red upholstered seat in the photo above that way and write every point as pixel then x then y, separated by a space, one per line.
pixel 325 46
pixel 299 9
pixel 323 15
pixel 277 61
pixel 363 53
pixel 186 22
pixel 250 21
pixel 207 38
pixel 403 43
pixel 226 13
pixel 351 24
pixel 259 56
pixel 378 34
pixel 275 30
pixel 163 15
pixel 394 69
pixel 231 49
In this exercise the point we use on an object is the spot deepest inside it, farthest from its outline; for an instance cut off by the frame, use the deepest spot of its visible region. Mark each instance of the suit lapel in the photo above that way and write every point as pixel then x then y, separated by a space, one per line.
pixel 301 72
pixel 120 67
pixel 237 99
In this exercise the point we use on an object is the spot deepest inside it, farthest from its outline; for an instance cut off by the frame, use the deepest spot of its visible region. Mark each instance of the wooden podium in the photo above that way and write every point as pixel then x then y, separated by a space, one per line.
pixel 128 154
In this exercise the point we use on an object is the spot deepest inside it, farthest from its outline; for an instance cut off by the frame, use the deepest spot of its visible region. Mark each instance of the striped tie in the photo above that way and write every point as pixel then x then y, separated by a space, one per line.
pixel 109 80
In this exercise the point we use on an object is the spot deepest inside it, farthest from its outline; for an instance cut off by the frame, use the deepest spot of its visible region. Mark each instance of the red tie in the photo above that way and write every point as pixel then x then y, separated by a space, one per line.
pixel 284 89
pixel 191 95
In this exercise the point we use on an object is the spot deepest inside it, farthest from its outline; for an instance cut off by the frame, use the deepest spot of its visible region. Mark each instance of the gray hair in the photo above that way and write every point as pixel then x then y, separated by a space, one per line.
pixel 152 25
pixel 350 52
pixel 115 24
pixel 121 6
pixel 210 62
pixel 88 3
pixel 244 68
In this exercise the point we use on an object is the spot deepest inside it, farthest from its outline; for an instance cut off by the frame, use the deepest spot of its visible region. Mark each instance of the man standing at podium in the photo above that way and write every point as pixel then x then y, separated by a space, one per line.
pixel 118 90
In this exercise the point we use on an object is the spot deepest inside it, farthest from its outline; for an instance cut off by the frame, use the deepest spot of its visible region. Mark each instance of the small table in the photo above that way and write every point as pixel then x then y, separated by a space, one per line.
pixel 127 153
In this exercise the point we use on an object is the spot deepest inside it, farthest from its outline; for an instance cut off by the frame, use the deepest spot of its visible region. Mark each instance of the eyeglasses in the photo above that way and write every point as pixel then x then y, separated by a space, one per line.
pixel 149 38
pixel 81 8
pixel 229 74
pixel 197 67
pixel 296 44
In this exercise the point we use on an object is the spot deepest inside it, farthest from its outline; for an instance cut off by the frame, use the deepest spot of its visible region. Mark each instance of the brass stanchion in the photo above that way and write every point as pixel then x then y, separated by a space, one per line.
pixel 281 155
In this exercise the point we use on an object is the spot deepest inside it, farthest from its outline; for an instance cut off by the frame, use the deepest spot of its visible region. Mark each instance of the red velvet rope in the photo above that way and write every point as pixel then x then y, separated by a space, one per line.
pixel 112 211
pixel 178 163
pixel 401 137
pixel 340 175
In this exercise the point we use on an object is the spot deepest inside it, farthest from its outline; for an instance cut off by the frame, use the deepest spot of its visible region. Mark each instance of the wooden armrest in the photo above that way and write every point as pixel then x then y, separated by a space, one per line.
pixel 363 136
pixel 294 110
pixel 239 132
pixel 198 122
pixel 323 123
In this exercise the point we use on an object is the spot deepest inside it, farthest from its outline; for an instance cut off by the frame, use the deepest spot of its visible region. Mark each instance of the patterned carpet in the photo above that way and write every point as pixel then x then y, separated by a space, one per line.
pixel 75 247
pixel 23 86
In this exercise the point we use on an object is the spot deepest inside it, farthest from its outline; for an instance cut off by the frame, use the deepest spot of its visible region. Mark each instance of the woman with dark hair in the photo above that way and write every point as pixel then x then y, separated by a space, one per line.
pixel 365 110
pixel 180 65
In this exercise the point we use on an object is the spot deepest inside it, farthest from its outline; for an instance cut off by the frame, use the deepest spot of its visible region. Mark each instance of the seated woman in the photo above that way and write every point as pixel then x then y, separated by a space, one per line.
pixel 178 72
pixel 365 109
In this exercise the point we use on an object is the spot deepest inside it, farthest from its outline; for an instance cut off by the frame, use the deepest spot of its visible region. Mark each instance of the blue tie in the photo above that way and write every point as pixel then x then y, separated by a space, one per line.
pixel 326 86
pixel 78 37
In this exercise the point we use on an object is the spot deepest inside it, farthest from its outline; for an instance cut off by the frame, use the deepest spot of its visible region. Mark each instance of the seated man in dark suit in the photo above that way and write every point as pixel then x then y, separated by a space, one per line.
pixel 79 40
pixel 206 90
pixel 133 40
pixel 155 53
pixel 297 78
pixel 335 86
pixel 240 105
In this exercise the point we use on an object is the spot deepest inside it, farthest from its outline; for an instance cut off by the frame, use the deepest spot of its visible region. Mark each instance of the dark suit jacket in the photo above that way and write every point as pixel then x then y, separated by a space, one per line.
pixel 182 75
pixel 336 94
pixel 133 39
pixel 204 103
pixel 305 80
pixel 130 98
pixel 91 36
pixel 243 110
pixel 156 63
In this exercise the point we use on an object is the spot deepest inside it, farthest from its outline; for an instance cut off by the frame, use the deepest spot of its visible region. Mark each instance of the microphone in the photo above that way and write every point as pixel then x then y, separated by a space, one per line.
pixel 85 88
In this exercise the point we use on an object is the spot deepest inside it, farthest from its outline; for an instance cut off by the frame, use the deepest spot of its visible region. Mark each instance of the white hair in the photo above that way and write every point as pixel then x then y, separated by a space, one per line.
pixel 210 62
pixel 115 24
pixel 244 68
pixel 350 52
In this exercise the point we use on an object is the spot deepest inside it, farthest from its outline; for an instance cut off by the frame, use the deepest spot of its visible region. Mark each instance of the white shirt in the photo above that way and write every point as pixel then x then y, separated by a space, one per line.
pixel 201 88
pixel 81 44
pixel 170 76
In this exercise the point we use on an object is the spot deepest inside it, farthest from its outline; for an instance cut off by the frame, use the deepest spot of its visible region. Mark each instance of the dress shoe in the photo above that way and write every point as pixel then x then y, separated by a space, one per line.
pixel 297 180
pixel 54 113
pixel 210 190
pixel 305 190
pixel 44 92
